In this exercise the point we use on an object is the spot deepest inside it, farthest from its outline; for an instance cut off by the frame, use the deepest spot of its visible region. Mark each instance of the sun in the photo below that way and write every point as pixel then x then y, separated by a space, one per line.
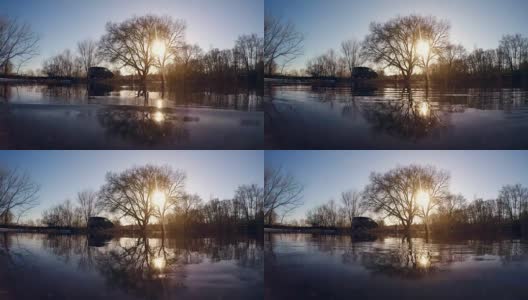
pixel 158 198
pixel 422 198
pixel 158 48
pixel 422 48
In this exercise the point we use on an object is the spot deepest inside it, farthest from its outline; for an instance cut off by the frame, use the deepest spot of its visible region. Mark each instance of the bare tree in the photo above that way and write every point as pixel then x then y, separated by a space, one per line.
pixel 353 54
pixel 407 42
pixel 281 193
pixel 249 48
pixel 434 39
pixel 186 205
pixel 451 204
pixel 514 199
pixel 89 54
pixel 89 206
pixel 353 205
pixel 249 198
pixel 18 194
pixel 452 56
pixel 132 192
pixel 397 192
pixel 515 50
pixel 143 42
pixel 281 42
pixel 18 43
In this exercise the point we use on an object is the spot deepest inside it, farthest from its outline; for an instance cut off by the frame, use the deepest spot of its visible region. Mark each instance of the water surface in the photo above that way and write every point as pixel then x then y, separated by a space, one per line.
pixel 52 266
pixel 128 117
pixel 395 117
pixel 306 266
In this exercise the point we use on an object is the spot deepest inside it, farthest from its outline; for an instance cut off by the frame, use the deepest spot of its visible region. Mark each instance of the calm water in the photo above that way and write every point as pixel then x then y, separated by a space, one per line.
pixel 123 117
pixel 40 266
pixel 305 266
pixel 392 117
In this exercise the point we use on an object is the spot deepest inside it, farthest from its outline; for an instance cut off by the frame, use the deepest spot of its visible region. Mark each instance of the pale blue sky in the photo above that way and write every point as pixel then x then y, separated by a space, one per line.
pixel 325 174
pixel 326 23
pixel 61 23
pixel 61 174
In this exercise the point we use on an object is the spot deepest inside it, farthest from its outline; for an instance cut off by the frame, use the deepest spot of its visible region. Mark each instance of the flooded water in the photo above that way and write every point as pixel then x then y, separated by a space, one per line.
pixel 123 117
pixel 395 117
pixel 42 266
pixel 306 266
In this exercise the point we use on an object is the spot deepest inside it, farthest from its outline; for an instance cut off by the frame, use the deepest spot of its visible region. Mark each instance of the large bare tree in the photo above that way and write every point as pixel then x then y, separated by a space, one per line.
pixel 250 200
pixel 18 43
pixel 353 54
pixel 514 200
pixel 407 192
pixel 405 43
pixel 132 192
pixel 89 54
pixel 282 193
pixel 89 205
pixel 249 48
pixel 353 205
pixel 141 43
pixel 515 50
pixel 281 42
pixel 18 194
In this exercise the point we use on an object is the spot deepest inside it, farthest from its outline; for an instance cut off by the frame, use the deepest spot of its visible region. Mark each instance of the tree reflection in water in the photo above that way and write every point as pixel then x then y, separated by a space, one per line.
pixel 404 257
pixel 148 267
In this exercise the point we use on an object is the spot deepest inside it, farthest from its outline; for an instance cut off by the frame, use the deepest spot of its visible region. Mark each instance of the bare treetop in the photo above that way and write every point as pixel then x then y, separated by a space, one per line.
pixel 131 42
pixel 18 194
pixel 282 193
pixel 18 43
pixel 281 41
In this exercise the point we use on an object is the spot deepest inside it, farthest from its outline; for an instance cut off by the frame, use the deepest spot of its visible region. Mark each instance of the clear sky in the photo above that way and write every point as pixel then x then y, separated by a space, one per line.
pixel 61 174
pixel 325 174
pixel 326 23
pixel 62 23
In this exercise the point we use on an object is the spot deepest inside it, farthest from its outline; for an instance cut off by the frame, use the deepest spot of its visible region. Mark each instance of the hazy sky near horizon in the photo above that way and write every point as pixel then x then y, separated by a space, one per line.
pixel 61 174
pixel 62 23
pixel 474 23
pixel 325 174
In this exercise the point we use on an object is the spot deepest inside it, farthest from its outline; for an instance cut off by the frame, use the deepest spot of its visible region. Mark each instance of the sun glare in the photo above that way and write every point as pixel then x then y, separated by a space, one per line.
pixel 158 198
pixel 158 48
pixel 158 117
pixel 422 198
pixel 159 263
pixel 422 48
pixel 424 109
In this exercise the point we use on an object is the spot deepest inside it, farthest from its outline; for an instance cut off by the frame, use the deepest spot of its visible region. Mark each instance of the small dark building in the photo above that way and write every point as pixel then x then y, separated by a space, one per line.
pixel 363 223
pixel 95 73
pixel 96 223
pixel 364 73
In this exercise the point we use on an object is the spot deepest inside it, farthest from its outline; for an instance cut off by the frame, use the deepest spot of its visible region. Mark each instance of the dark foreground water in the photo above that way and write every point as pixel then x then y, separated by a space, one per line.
pixel 124 117
pixel 395 117
pixel 41 266
pixel 305 266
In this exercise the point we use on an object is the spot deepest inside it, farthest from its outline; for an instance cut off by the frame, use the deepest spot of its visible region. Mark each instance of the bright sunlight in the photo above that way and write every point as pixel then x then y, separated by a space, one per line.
pixel 158 48
pixel 158 198
pixel 422 48
pixel 422 198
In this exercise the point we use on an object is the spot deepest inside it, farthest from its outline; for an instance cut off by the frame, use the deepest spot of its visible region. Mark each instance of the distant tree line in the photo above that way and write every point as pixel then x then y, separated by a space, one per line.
pixel 417 194
pixel 150 194
pixel 143 44
pixel 402 45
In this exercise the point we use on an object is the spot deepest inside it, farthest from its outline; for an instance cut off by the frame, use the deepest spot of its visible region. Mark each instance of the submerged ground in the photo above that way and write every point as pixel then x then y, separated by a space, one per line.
pixel 55 266
pixel 314 266
pixel 125 117
pixel 391 116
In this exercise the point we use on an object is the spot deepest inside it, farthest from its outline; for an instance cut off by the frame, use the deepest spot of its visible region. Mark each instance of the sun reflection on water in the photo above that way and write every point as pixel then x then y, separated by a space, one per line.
pixel 158 117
